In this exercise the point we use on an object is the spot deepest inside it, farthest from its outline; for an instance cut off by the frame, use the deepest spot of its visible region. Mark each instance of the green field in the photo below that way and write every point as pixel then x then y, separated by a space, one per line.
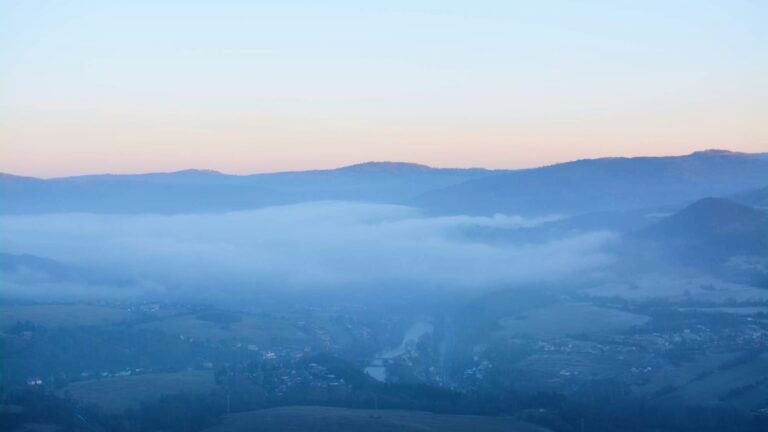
pixel 564 319
pixel 326 419
pixel 61 315
pixel 119 393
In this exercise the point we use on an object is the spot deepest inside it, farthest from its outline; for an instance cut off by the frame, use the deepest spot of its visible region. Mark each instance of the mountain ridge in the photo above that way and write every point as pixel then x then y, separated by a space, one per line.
pixel 602 184
pixel 382 164
pixel 569 188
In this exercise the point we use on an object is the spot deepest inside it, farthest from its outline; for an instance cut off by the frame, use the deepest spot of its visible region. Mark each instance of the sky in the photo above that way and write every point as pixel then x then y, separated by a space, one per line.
pixel 256 86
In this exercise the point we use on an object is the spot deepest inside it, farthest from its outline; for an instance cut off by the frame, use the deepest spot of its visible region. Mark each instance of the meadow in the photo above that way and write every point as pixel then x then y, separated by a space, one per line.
pixel 328 419
pixel 64 315
pixel 116 394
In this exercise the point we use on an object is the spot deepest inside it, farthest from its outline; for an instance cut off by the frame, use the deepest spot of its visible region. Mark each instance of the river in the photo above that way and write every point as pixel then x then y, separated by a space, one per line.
pixel 377 369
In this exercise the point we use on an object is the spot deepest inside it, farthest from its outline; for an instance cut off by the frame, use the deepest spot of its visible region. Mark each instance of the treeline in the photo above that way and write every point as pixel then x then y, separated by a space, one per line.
pixel 171 413
pixel 61 355
pixel 605 406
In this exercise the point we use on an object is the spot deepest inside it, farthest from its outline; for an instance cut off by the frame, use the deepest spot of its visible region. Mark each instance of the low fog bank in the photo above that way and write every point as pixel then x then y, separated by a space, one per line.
pixel 310 246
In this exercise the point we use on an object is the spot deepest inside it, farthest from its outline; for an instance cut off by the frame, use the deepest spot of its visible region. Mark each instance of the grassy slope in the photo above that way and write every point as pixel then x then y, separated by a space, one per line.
pixel 326 419
pixel 251 328
pixel 119 393
pixel 565 319
pixel 61 315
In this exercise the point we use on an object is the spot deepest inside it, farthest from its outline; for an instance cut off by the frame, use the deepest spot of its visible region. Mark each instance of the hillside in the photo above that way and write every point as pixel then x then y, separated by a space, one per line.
pixel 757 198
pixel 327 419
pixel 572 188
pixel 389 182
pixel 603 184
pixel 211 191
pixel 13 263
pixel 714 236
pixel 104 194
pixel 714 228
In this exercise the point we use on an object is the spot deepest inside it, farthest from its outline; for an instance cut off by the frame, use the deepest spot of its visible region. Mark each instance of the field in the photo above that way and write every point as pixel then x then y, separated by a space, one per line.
pixel 679 375
pixel 326 419
pixel 61 315
pixel 251 328
pixel 119 393
pixel 710 389
pixel 563 319
pixel 676 288
pixel 39 427
pixel 704 382
pixel 744 310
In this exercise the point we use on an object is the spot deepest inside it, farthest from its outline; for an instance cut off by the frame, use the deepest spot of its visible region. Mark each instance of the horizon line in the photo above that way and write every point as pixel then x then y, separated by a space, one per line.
pixel 372 162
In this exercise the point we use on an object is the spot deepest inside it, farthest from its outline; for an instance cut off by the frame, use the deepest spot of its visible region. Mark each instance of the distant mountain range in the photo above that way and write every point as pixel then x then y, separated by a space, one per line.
pixel 603 184
pixel 579 187
pixel 210 191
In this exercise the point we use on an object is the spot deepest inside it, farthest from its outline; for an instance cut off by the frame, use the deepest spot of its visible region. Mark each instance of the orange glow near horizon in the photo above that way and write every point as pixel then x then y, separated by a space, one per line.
pixel 248 87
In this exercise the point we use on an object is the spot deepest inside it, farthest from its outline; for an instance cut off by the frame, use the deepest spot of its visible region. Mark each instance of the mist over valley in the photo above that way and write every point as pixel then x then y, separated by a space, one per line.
pixel 394 286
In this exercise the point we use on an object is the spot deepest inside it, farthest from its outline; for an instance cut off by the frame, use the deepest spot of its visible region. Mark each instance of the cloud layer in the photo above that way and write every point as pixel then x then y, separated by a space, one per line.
pixel 307 246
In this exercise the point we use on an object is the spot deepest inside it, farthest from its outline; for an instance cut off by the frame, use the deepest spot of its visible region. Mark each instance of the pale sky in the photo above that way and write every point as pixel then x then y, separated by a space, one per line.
pixel 250 86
